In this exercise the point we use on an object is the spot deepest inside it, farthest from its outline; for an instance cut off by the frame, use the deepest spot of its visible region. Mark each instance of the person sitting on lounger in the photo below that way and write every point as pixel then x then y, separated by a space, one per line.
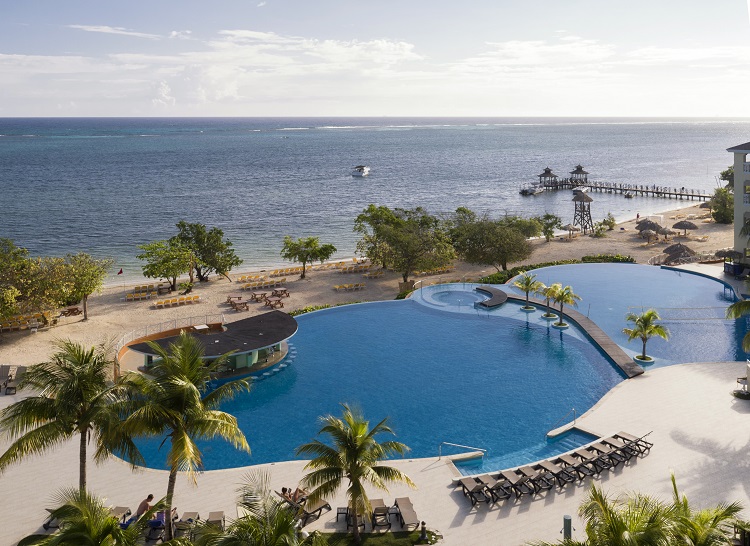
pixel 299 495
pixel 285 492
pixel 145 506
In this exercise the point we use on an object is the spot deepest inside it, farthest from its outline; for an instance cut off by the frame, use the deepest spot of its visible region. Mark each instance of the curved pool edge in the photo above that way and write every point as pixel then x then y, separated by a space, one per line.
pixel 597 336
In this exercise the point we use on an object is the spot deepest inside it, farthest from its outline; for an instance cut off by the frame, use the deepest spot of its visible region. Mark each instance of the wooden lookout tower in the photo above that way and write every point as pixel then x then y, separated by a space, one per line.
pixel 547 178
pixel 579 177
pixel 582 215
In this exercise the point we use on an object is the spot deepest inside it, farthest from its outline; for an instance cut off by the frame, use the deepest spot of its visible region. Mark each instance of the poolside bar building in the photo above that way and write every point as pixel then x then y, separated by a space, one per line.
pixel 257 342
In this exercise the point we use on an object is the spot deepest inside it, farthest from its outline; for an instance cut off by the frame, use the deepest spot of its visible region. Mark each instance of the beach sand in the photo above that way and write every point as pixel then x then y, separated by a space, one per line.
pixel 110 318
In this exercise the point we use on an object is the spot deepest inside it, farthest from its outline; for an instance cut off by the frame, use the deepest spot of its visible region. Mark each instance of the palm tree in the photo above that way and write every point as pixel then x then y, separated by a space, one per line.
pixel 707 527
pixel 84 519
pixel 175 403
pixel 527 283
pixel 549 293
pixel 354 455
pixel 266 520
pixel 645 327
pixel 636 521
pixel 738 310
pixel 565 296
pixel 73 397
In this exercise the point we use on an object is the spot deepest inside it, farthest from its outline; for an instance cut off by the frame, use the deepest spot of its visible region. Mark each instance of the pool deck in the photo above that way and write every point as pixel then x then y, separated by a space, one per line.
pixel 699 431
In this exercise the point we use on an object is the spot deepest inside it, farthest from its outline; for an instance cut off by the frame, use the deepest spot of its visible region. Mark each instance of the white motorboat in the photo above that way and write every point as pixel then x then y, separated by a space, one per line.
pixel 361 170
pixel 534 189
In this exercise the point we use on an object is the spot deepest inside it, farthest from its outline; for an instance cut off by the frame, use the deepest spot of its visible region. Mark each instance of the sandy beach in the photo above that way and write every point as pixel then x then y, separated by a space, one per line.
pixel 110 318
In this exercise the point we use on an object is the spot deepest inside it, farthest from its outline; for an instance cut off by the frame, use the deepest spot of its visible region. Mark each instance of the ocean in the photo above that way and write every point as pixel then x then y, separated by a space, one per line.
pixel 106 185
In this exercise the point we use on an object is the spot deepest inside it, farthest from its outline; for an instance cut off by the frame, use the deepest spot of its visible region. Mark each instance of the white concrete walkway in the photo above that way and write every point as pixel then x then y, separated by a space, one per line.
pixel 699 430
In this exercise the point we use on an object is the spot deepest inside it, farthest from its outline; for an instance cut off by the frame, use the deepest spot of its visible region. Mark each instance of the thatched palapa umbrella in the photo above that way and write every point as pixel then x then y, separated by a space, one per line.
pixel 685 225
pixel 678 251
pixel 649 233
pixel 647 224
pixel 666 232
pixel 571 228
pixel 730 253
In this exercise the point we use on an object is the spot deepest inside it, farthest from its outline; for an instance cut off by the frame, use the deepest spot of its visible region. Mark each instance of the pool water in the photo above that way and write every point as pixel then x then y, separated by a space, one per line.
pixel 444 370
pixel 692 308
pixel 496 380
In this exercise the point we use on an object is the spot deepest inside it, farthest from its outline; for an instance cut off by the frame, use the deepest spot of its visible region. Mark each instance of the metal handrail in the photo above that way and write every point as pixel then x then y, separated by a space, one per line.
pixel 440 448
pixel 572 410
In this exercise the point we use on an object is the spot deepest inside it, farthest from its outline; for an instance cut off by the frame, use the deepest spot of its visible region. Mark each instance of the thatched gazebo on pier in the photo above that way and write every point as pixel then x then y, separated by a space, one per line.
pixel 582 213
pixel 547 178
pixel 579 177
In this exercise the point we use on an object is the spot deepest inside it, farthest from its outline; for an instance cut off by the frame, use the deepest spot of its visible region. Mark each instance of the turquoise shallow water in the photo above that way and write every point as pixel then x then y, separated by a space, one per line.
pixel 106 185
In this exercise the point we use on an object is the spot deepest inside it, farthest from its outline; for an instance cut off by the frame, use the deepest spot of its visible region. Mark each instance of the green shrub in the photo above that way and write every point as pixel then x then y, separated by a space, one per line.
pixel 404 294
pixel 501 277
pixel 311 308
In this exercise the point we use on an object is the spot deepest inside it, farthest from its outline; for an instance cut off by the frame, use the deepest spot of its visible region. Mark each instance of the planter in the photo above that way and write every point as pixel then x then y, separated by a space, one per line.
pixel 406 286
pixel 528 309
pixel 647 360
pixel 562 326
pixel 550 316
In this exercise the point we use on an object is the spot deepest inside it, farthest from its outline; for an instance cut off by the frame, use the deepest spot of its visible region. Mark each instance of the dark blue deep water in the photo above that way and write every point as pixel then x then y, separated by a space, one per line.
pixel 106 185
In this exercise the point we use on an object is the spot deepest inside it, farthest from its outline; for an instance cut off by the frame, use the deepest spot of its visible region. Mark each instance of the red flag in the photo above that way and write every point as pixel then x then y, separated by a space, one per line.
pixel 120 272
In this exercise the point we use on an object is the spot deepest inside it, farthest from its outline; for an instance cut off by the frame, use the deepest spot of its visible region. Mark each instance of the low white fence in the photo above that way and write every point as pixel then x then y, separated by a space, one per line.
pixel 174 324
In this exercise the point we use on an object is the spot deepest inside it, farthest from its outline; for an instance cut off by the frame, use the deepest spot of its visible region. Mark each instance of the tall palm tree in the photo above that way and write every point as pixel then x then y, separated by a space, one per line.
pixel 73 396
pixel 354 456
pixel 565 296
pixel 707 527
pixel 645 327
pixel 549 293
pixel 85 520
pixel 636 521
pixel 266 520
pixel 738 310
pixel 176 403
pixel 527 283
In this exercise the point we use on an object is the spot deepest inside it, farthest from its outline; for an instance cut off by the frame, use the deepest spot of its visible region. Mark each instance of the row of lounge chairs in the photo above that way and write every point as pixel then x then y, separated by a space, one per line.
pixel 16 325
pixel 287 271
pixel 182 300
pixel 359 268
pixel 381 514
pixel 348 287
pixel 137 296
pixel 144 288
pixel 269 283
pixel 435 271
pixel 250 278
pixel 591 460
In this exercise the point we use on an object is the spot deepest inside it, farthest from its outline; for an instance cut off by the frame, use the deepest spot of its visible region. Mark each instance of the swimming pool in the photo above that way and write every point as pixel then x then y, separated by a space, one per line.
pixel 445 370
pixel 441 369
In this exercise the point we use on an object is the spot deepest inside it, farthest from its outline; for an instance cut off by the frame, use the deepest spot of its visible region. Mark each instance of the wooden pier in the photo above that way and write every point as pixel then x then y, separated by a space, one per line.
pixel 642 190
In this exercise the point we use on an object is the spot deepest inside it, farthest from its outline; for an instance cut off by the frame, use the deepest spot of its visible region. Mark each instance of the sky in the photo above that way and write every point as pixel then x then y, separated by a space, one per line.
pixel 657 58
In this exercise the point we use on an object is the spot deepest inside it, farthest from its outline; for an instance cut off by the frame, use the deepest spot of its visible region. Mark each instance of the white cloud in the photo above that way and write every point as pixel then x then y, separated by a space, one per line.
pixel 181 34
pixel 248 72
pixel 115 30
pixel 261 4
